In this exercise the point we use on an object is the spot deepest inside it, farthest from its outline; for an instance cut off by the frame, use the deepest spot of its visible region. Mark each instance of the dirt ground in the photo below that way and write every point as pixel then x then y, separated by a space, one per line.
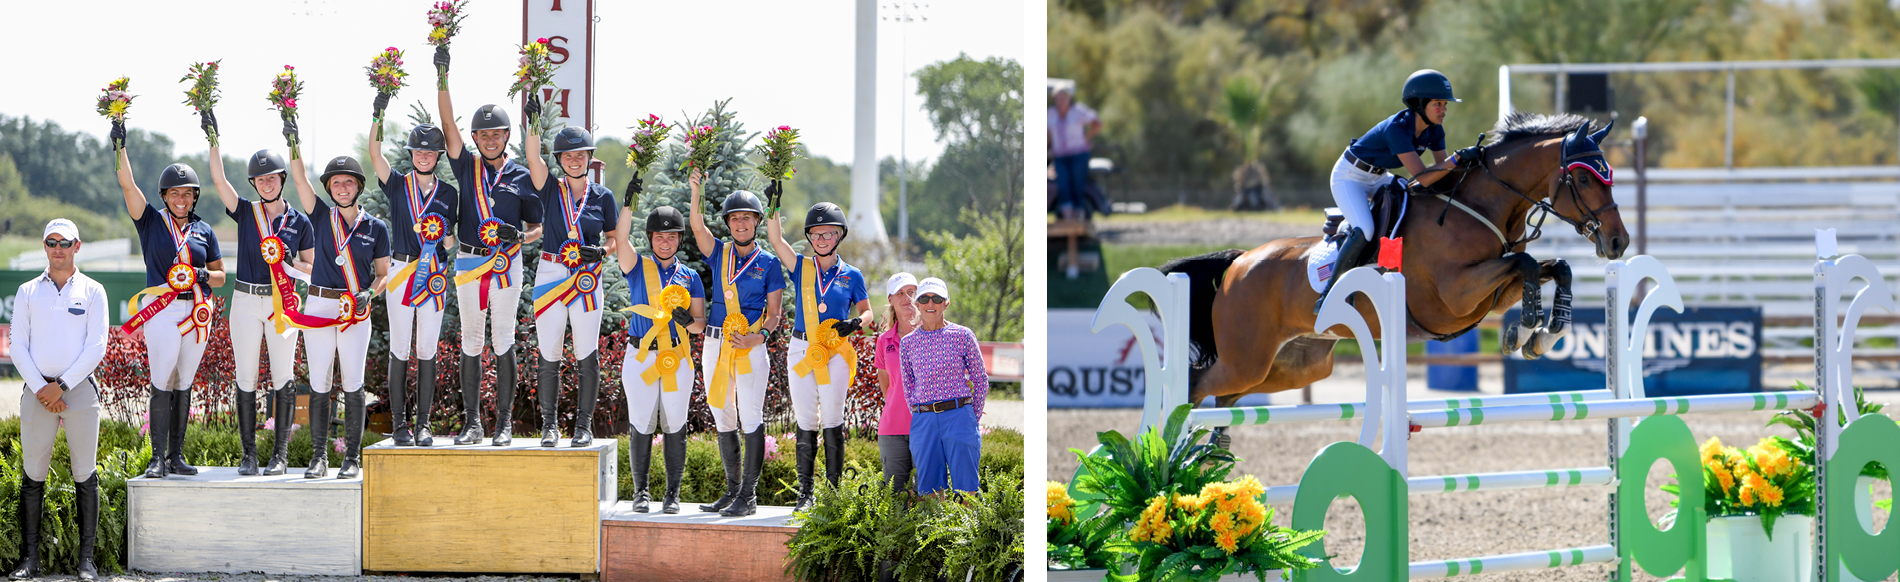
pixel 1455 525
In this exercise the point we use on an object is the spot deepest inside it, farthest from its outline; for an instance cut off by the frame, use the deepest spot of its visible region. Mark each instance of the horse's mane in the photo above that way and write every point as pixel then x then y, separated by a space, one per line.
pixel 1524 125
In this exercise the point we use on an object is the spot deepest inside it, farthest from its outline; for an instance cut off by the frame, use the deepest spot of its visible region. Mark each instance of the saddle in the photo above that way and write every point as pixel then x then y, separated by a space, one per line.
pixel 1389 203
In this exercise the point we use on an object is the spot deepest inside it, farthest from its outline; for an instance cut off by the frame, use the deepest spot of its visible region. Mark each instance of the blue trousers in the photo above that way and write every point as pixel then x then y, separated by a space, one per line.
pixel 945 448
pixel 1072 175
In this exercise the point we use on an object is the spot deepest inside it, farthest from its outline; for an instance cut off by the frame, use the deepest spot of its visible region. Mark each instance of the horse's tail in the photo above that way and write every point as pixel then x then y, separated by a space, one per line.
pixel 1205 272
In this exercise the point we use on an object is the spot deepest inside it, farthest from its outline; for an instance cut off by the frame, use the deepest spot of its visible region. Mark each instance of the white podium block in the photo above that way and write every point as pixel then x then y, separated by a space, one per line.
pixel 218 521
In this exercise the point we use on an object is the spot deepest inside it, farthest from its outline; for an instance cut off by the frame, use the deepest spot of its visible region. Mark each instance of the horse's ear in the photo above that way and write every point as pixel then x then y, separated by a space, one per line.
pixel 1597 137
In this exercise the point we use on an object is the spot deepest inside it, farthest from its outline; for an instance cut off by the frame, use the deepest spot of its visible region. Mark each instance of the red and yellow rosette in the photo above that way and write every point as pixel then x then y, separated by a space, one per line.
pixel 349 313
pixel 570 254
pixel 179 278
pixel 283 288
pixel 581 282
pixel 823 344
pixel 732 361
pixel 668 357
pixel 499 260
pixel 424 279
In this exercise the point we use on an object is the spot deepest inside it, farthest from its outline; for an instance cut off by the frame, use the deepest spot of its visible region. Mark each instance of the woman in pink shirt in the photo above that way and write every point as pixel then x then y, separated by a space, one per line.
pixel 893 425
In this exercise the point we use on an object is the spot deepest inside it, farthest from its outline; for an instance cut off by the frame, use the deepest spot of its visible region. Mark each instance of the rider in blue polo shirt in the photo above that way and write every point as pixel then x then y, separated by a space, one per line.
pixel 178 247
pixel 1397 142
pixel 254 304
pixel 581 229
pixel 648 392
pixel 749 279
pixel 500 213
pixel 836 291
pixel 421 220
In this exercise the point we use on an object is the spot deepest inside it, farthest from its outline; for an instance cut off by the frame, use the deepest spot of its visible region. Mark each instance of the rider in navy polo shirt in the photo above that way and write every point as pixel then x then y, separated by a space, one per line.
pixel 756 282
pixel 352 266
pixel 422 213
pixel 168 238
pixel 494 188
pixel 581 229
pixel 254 304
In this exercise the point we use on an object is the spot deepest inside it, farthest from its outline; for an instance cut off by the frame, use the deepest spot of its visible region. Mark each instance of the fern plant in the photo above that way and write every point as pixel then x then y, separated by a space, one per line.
pixel 1168 459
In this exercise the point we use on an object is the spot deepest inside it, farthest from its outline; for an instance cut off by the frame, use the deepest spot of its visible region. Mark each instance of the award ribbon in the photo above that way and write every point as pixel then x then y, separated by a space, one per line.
pixel 283 290
pixel 495 267
pixel 424 280
pixel 180 278
pixel 732 361
pixel 348 312
pixel 822 342
pixel 660 302
pixel 583 278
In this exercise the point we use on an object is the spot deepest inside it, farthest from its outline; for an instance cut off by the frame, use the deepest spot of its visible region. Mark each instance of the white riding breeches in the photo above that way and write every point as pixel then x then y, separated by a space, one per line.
pixel 503 305
pixel 250 324
pixel 1352 192
pixel 643 398
pixel 409 324
pixel 550 326
pixel 173 357
pixel 817 406
pixel 744 406
pixel 326 345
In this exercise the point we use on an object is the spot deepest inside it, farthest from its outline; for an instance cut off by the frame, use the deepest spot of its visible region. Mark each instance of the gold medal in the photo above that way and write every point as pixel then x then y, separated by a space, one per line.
pixel 418 229
pixel 732 295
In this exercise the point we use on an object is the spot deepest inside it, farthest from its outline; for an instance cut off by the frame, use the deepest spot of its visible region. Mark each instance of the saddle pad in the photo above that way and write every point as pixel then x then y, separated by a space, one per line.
pixel 1321 259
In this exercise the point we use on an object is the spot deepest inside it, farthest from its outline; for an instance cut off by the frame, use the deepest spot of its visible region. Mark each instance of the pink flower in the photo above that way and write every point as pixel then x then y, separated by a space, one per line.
pixel 541 40
pixel 291 103
pixel 656 439
pixel 339 444
pixel 771 448
pixel 784 128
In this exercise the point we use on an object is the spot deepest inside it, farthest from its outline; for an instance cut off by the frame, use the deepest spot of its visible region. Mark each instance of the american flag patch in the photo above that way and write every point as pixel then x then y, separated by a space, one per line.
pixel 1325 271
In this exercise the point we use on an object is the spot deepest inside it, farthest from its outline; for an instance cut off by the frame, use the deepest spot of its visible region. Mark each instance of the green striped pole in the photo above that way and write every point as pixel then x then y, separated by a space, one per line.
pixel 1291 413
pixel 1632 408
pixel 1538 479
pixel 1514 562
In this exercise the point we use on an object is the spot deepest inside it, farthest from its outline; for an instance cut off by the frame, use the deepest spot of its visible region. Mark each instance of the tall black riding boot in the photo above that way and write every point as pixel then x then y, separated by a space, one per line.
pixel 283 411
pixel 181 418
pixel 32 505
pixel 729 457
pixel 471 401
pixel 589 396
pixel 640 454
pixel 834 454
pixel 1350 253
pixel 87 493
pixel 425 401
pixel 398 396
pixel 807 455
pixel 748 501
pixel 158 422
pixel 547 394
pixel 353 418
pixel 320 416
pixel 247 431
pixel 673 448
pixel 505 374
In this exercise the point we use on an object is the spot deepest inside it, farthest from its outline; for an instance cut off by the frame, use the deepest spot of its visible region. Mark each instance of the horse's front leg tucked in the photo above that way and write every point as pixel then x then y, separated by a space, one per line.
pixel 1558 325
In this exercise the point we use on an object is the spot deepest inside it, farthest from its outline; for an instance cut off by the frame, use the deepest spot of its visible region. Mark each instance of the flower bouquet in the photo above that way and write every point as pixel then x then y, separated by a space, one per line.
pixel 701 143
pixel 113 101
pixel 1079 542
pixel 1222 529
pixel 536 71
pixel 645 148
pixel 385 71
pixel 203 94
pixel 779 150
pixel 284 89
pixel 445 21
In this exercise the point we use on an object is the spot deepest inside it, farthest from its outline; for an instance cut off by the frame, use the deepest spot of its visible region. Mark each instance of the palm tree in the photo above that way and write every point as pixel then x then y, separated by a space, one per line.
pixel 1245 114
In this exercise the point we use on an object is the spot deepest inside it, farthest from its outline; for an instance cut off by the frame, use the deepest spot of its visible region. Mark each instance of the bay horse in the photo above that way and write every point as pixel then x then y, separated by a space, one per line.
pixel 1251 321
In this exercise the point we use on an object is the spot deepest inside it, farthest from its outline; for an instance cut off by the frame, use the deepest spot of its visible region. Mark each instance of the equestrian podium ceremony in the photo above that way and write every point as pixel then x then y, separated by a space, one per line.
pixel 603 290
pixel 1529 290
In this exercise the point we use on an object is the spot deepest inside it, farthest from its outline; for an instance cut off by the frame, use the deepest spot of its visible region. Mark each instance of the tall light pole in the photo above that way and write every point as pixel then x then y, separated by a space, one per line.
pixel 903 13
pixel 865 192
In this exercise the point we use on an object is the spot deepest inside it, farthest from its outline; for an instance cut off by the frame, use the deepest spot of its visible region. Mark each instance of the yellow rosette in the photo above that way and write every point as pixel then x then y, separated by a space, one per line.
pixel 668 356
pixel 822 345
pixel 732 361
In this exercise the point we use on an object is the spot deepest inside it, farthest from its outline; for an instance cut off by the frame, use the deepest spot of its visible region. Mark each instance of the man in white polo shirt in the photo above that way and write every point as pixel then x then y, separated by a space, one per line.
pixel 58 338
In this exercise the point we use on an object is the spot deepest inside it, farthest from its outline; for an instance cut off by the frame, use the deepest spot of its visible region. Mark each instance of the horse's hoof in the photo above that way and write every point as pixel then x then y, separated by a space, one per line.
pixel 1223 441
pixel 1512 337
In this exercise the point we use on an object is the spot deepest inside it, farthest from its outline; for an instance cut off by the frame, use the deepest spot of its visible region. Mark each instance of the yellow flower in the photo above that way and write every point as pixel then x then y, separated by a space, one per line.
pixel 1188 503
pixel 1748 495
pixel 118 108
pixel 1222 522
pixel 1249 486
pixel 1754 487
pixel 1153 524
pixel 438 34
pixel 1711 450
pixel 1060 505
pixel 1770 494
pixel 1228 542
pixel 1254 512
pixel 1772 460
pixel 1724 478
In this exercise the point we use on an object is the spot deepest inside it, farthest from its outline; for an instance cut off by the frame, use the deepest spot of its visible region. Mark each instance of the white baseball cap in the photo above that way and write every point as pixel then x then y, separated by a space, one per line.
pixel 898 282
pixel 934 286
pixel 62 227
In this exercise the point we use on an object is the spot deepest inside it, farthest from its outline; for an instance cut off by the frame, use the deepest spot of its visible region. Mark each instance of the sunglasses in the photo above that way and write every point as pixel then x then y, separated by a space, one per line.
pixel 825 235
pixel 60 244
pixel 928 299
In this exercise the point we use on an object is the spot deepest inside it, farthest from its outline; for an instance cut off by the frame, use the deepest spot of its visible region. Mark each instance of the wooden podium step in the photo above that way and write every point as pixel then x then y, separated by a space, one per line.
pixel 693 545
pixel 217 521
pixel 520 509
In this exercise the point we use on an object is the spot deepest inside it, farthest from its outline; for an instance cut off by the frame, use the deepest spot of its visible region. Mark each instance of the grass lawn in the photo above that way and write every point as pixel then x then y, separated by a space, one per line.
pixel 1179 213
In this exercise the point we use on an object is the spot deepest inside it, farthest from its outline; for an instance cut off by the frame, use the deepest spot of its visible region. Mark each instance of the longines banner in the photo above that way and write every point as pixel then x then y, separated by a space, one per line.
pixel 1705 350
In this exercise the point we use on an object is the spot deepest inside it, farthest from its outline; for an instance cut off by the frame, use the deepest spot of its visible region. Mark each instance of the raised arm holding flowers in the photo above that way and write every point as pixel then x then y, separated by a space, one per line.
pixel 283 97
pixel 647 136
pixel 113 103
pixel 445 21
pixel 387 77
pixel 778 151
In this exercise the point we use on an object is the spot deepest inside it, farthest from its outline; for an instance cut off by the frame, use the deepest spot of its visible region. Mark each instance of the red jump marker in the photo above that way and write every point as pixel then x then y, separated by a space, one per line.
pixel 1391 253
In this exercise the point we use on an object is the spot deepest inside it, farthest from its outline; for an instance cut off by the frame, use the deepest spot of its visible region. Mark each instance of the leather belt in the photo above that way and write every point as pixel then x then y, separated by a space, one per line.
pixel 327 293
pixel 1361 164
pixel 475 250
pixel 253 288
pixel 402 257
pixel 943 405
pixel 799 334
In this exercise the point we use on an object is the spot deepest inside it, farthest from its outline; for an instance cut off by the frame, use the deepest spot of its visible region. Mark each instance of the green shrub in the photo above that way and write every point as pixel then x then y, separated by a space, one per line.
pixel 59 526
pixel 704 478
pixel 855 529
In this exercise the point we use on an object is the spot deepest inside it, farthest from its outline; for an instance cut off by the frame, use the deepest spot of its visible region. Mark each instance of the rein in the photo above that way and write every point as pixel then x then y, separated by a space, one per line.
pixel 1540 210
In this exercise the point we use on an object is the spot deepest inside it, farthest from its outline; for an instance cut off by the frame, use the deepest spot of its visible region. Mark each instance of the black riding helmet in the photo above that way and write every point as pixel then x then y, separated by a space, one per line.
pixel 1423 87
pixel 741 201
pixel 179 176
pixel 573 139
pixel 490 116
pixel 264 163
pixel 344 165
pixel 665 219
pixel 825 214
pixel 427 137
